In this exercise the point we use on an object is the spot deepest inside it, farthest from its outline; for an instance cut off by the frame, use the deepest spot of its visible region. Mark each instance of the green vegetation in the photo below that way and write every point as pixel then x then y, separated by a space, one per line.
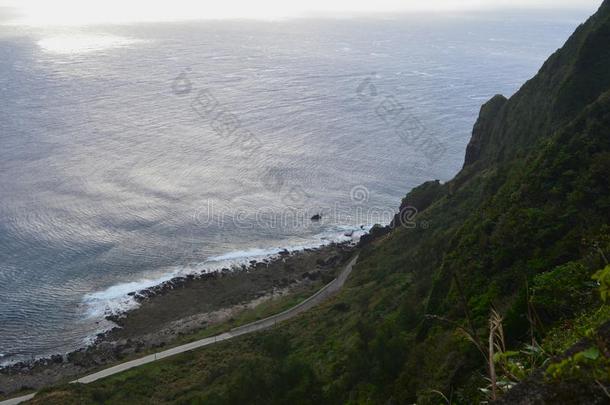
pixel 260 311
pixel 569 332
pixel 522 228
pixel 593 362
pixel 603 278
pixel 586 365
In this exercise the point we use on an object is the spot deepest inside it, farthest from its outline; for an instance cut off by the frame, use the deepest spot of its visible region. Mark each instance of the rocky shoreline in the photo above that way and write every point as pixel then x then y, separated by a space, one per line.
pixel 181 307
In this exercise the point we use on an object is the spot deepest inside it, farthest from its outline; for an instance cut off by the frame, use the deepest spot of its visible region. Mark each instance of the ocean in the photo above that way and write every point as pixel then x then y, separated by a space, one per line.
pixel 131 154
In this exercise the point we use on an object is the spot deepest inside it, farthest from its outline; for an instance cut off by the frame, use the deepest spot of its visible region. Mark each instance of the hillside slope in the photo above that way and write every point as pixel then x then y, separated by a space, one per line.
pixel 522 228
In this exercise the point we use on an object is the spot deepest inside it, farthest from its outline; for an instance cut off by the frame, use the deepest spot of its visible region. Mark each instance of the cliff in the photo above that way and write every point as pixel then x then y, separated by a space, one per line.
pixel 520 230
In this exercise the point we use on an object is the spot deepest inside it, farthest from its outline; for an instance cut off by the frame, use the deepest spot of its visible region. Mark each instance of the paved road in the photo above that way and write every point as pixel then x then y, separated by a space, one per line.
pixel 323 294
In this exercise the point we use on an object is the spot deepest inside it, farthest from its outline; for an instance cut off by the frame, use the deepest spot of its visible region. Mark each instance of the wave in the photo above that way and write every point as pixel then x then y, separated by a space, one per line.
pixel 244 254
pixel 121 298
pixel 116 299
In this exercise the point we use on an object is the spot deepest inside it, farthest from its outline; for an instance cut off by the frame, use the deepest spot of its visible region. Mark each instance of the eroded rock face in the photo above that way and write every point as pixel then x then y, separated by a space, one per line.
pixel 483 128
pixel 376 231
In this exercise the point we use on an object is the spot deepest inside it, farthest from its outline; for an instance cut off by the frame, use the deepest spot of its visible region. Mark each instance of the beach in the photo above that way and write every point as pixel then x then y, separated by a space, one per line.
pixel 185 308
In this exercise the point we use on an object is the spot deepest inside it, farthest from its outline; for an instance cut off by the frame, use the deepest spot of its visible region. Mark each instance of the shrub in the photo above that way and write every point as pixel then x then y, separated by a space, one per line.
pixel 558 293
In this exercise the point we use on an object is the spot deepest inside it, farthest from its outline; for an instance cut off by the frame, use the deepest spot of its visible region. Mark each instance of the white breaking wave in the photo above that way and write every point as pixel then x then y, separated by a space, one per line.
pixel 115 299
pixel 120 298
pixel 245 254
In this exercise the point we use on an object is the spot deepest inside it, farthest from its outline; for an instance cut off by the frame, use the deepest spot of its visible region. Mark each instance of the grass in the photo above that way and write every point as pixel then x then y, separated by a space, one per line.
pixel 243 317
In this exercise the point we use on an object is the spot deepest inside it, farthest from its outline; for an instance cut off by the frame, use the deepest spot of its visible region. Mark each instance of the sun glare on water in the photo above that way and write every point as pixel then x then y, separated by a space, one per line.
pixel 76 12
pixel 79 13
pixel 89 12
pixel 79 43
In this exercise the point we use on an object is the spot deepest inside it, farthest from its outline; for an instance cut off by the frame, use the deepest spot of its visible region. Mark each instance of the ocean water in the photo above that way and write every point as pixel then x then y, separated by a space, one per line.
pixel 133 154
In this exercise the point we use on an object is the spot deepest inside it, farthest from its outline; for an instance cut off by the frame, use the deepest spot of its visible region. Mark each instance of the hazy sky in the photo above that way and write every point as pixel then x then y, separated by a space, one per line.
pixel 70 12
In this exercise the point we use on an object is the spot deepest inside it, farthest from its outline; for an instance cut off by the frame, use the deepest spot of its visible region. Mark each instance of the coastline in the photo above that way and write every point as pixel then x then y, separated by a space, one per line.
pixel 176 310
pixel 114 301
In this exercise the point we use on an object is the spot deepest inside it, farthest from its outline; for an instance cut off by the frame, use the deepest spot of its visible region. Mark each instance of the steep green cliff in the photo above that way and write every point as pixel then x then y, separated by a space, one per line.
pixel 522 228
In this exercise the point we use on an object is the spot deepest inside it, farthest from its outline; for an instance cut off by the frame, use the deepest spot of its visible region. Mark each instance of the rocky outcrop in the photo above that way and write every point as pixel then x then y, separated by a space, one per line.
pixel 572 78
pixel 483 128
pixel 376 232
pixel 418 199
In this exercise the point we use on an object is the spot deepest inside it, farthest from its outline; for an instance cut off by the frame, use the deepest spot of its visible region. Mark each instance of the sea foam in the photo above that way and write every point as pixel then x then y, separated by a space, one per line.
pixel 120 298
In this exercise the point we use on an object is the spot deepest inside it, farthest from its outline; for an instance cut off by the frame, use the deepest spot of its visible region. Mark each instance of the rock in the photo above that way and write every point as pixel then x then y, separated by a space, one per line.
pixel 314 275
pixel 375 232
pixel 329 261
pixel 483 128
pixel 418 200
pixel 113 318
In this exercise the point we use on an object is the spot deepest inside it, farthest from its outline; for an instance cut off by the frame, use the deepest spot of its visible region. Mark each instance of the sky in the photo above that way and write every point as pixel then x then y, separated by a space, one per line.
pixel 84 12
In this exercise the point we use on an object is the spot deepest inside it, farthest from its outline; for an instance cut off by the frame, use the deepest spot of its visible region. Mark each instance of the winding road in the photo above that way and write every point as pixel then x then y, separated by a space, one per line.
pixel 323 294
